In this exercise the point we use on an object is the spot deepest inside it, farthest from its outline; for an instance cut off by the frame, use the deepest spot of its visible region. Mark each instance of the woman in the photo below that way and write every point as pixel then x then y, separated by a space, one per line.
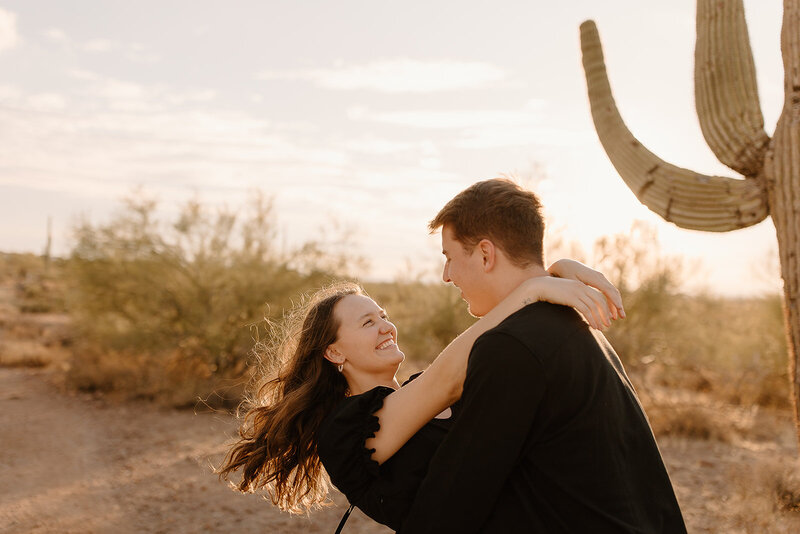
pixel 335 400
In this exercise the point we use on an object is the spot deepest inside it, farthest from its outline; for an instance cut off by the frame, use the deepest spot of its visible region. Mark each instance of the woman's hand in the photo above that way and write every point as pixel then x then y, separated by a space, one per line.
pixel 575 270
pixel 580 287
pixel 587 300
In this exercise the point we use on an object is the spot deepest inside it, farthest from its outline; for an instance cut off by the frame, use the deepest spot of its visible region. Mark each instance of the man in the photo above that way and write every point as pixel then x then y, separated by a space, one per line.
pixel 550 435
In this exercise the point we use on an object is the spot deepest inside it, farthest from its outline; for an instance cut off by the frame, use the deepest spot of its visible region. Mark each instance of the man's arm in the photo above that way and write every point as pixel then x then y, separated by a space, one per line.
pixel 502 391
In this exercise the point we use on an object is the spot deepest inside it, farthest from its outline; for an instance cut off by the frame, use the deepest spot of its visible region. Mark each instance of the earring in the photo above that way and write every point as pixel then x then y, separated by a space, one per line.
pixel 340 367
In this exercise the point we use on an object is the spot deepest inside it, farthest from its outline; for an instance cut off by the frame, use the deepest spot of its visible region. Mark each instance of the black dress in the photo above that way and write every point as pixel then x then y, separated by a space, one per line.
pixel 383 492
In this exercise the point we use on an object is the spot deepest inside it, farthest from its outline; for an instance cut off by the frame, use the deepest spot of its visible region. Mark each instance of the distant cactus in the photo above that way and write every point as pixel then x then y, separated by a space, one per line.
pixel 730 117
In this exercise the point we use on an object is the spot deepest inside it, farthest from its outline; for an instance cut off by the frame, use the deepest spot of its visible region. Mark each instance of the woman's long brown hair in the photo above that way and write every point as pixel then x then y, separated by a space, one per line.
pixel 277 448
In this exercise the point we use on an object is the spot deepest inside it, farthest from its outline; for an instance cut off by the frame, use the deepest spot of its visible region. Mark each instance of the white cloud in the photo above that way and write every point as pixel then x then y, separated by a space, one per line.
pixel 98 45
pixel 119 90
pixel 481 128
pixel 448 119
pixel 521 135
pixel 371 144
pixel 400 75
pixel 153 135
pixel 123 94
pixel 453 118
pixel 134 52
pixel 47 102
pixel 56 35
pixel 204 95
pixel 8 30
pixel 9 93
pixel 138 53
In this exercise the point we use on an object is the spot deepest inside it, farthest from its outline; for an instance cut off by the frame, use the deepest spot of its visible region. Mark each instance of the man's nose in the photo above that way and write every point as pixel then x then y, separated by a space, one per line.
pixel 446 274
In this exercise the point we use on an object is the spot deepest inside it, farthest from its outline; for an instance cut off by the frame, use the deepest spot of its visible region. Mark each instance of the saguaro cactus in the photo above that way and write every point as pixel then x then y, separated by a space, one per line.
pixel 733 126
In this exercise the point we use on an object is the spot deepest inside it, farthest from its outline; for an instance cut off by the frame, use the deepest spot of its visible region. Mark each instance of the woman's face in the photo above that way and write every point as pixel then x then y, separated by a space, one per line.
pixel 366 339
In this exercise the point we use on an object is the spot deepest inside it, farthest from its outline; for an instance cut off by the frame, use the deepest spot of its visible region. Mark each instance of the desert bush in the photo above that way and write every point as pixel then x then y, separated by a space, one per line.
pixel 14 266
pixel 689 420
pixel 650 286
pixel 172 311
pixel 37 282
pixel 161 308
pixel 732 348
pixel 28 340
pixel 15 353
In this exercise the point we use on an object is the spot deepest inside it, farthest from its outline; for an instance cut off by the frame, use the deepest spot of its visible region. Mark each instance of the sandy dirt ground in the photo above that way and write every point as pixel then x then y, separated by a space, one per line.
pixel 72 462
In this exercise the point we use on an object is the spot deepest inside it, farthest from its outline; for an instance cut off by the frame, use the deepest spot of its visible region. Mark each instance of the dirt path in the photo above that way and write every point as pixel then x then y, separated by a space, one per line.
pixel 72 463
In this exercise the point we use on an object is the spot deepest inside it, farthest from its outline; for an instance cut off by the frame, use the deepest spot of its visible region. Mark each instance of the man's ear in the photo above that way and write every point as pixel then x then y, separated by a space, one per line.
pixel 488 254
pixel 333 355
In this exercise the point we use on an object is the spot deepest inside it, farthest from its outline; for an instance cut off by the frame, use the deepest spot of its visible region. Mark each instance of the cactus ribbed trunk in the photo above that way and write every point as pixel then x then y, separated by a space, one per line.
pixel 728 109
pixel 782 174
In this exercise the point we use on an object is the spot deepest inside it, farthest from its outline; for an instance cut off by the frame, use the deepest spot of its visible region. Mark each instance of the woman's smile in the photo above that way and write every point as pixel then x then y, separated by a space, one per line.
pixel 386 344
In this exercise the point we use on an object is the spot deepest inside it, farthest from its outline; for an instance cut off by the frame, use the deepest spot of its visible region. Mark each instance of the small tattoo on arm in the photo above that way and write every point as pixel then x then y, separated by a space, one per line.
pixel 527 301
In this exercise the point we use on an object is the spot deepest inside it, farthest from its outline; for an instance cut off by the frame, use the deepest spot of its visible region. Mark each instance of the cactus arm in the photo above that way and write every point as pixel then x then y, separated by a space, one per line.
pixel 726 93
pixel 686 198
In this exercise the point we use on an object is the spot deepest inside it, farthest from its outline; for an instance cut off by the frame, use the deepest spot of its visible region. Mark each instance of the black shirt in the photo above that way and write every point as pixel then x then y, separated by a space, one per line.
pixel 550 438
pixel 384 492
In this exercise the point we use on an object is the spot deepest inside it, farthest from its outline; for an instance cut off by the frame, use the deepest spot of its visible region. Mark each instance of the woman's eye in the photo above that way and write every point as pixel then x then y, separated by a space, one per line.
pixel 368 321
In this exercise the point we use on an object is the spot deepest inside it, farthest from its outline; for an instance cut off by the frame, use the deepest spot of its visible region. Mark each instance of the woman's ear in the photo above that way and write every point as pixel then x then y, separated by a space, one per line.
pixel 333 355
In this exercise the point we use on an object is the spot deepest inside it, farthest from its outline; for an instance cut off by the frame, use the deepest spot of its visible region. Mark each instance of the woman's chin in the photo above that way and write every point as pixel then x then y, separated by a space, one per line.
pixel 392 353
pixel 398 357
pixel 395 359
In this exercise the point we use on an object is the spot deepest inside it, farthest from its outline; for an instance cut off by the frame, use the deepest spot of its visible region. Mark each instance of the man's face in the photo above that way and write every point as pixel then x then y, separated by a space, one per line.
pixel 464 269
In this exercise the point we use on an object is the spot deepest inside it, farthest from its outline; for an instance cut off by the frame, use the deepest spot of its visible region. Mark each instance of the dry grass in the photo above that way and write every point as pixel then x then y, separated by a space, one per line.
pixel 172 381
pixel 29 339
pixel 731 350
pixel 691 421
pixel 24 353
pixel 765 497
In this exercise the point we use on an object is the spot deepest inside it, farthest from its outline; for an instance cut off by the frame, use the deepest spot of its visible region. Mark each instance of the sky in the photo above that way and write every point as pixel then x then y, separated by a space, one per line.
pixel 361 117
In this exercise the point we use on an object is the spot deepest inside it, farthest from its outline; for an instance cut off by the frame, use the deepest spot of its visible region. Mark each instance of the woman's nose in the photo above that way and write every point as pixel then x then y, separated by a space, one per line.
pixel 386 327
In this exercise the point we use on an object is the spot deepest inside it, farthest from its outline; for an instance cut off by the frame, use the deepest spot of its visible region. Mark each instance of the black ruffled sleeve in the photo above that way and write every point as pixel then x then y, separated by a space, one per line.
pixel 412 378
pixel 340 444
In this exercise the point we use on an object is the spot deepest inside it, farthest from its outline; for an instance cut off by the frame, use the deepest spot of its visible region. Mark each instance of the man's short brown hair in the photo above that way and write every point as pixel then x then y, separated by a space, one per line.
pixel 502 212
